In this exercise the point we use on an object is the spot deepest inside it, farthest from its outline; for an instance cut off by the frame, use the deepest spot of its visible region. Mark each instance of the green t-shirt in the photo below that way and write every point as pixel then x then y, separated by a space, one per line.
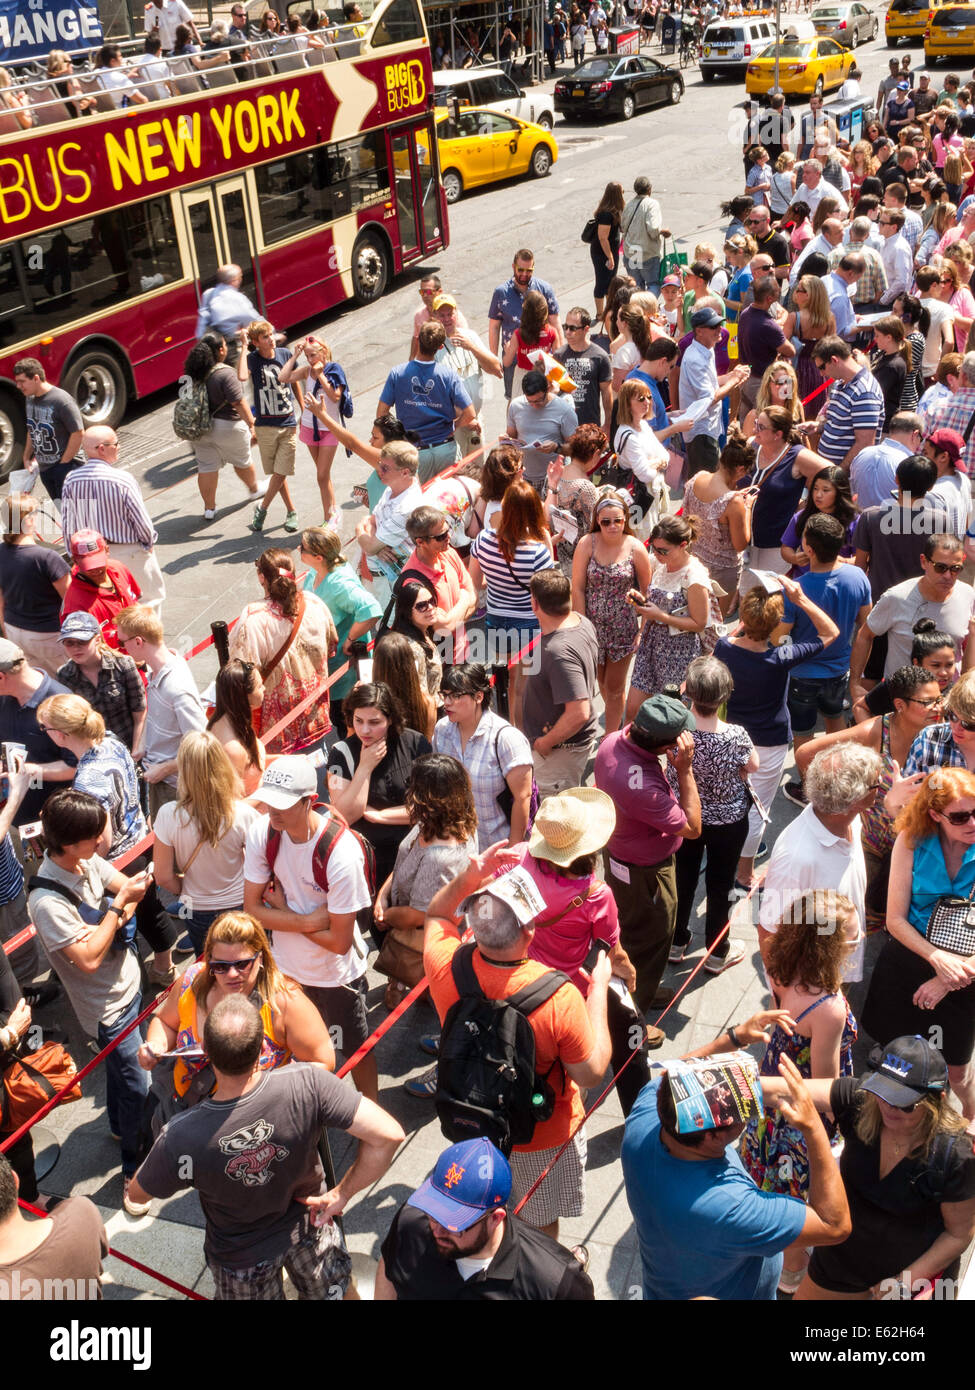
pixel 348 602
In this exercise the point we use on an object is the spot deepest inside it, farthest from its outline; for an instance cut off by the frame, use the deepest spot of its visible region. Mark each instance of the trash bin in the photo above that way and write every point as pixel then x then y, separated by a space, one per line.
pixel 668 34
pixel 624 40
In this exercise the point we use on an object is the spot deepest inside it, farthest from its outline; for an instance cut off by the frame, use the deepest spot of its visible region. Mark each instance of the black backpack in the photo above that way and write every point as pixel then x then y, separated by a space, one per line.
pixel 487 1084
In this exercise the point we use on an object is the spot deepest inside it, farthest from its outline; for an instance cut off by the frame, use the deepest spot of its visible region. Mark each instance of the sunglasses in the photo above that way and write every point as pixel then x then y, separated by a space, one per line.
pixel 940 567
pixel 611 521
pixel 574 327
pixel 958 817
pixel 444 535
pixel 661 550
pixel 425 604
pixel 224 967
pixel 965 724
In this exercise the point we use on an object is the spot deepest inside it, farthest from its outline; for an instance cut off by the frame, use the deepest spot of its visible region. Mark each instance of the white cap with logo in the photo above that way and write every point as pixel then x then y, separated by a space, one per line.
pixel 287 781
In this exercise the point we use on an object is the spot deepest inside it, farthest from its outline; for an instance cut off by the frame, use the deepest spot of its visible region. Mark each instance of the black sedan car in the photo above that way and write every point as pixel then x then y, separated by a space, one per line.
pixel 617 86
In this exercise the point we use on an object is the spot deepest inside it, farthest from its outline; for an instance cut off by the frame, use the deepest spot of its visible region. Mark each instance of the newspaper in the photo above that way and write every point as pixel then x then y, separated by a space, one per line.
pixel 565 524
pixel 771 583
pixel 517 889
pixel 710 1092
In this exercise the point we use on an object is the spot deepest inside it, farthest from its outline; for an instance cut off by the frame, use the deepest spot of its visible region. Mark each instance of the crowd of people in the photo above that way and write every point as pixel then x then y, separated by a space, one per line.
pixel 728 521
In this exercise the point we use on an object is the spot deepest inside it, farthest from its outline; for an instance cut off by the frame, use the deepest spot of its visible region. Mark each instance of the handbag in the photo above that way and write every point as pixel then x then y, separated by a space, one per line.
pixel 588 233
pixel 951 926
pixel 399 961
pixel 30 1082
pixel 672 262
pixel 505 798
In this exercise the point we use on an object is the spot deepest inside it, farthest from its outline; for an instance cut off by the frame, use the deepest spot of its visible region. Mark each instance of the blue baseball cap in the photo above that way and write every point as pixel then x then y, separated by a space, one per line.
pixel 469 1180
pixel 79 626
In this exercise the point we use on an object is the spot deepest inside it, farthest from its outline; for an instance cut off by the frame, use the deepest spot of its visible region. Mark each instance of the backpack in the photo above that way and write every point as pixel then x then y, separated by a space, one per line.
pixel 486 1080
pixel 191 413
pixel 335 827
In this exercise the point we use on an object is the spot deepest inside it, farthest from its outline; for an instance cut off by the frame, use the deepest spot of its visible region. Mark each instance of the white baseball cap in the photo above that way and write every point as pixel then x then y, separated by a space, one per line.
pixel 287 781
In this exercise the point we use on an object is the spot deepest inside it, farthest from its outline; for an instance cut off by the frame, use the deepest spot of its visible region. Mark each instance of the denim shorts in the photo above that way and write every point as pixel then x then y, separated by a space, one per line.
pixel 828 696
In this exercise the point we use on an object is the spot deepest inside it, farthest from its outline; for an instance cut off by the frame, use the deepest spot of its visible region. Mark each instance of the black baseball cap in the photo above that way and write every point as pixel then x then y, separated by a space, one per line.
pixel 905 1071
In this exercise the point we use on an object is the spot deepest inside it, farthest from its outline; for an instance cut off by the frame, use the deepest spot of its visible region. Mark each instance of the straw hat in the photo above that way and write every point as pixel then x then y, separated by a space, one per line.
pixel 577 821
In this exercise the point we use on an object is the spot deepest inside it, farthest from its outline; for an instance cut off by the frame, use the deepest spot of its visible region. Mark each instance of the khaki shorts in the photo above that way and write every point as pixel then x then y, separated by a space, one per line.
pixel 228 441
pixel 278 446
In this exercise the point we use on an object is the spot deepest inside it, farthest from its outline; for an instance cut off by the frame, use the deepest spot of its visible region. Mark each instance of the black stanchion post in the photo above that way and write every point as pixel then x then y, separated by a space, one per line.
pixel 221 641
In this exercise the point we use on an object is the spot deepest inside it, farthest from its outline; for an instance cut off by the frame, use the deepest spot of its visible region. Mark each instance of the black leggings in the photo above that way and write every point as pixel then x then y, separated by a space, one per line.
pixel 153 922
pixel 723 844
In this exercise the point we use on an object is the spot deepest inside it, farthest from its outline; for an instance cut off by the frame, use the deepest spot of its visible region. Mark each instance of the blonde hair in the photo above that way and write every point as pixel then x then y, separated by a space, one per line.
pixel 207 785
pixel 326 545
pixel 703 251
pixel 961 697
pixel 785 161
pixel 140 621
pixel 935 1112
pixel 643 299
pixel 72 715
pixel 255 329
pixel 402 455
pixel 241 929
pixel 764 398
pixel 817 304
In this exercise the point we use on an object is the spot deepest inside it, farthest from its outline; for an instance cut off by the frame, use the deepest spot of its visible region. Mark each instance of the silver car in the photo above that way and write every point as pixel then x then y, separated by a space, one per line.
pixel 847 24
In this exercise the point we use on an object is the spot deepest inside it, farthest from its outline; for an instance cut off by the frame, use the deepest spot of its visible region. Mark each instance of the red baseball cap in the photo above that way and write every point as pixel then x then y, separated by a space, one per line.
pixel 949 442
pixel 89 550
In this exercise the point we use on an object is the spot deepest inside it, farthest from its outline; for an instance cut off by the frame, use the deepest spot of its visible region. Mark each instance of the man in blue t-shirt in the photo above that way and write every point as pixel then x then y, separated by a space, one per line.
pixel 705 1229
pixel 821 684
pixel 430 400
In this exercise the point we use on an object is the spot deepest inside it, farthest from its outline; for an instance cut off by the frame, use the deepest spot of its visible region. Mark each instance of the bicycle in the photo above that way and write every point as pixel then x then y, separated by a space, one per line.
pixel 690 50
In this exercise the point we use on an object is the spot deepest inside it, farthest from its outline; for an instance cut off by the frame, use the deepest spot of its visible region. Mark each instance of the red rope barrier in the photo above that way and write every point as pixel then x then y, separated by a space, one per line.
pixel 136 1264
pixel 19 940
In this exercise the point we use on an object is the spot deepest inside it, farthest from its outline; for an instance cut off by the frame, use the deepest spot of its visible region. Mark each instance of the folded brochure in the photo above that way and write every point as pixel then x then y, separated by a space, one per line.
pixel 710 1092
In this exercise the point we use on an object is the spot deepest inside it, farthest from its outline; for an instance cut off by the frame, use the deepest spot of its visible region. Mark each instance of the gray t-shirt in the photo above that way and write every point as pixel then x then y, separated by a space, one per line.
pixel 893 536
pixel 555 420
pixel 105 994
pixel 590 369
pixel 51 421
pixel 566 671
pixel 251 1159
pixel 901 607
pixel 421 870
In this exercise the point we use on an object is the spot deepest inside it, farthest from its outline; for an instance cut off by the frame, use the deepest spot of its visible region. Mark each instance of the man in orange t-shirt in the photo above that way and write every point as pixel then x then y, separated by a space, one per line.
pixel 567 1028
pixel 434 558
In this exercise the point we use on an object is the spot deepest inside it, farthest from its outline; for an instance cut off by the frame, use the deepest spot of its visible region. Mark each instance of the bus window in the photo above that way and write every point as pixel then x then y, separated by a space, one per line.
pixel 400 23
pixel 208 258
pixel 317 186
pixel 88 266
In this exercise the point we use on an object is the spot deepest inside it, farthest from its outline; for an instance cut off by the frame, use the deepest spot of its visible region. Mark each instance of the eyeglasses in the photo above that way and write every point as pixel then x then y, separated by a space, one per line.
pixel 448 696
pixel 940 567
pixel 643 400
pixel 444 535
pixel 43 727
pixel 965 724
pixel 927 704
pixel 946 280
pixel 424 604
pixel 959 817
pixel 662 551
pixel 224 967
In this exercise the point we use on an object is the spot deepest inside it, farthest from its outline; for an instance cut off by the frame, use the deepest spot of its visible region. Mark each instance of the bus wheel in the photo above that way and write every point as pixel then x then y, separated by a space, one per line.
pixel 370 269
pixel 13 432
pixel 97 382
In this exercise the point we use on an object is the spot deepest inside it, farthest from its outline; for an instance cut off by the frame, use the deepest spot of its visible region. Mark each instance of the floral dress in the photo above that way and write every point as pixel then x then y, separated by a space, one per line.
pixel 664 655
pixel 259 635
pixel 772 1150
pixel 613 618
pixel 577 496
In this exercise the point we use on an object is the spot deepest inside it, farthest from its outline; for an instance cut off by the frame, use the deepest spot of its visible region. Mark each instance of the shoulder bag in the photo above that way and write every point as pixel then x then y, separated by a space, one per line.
pixel 29 1082
pixel 951 926
pixel 280 654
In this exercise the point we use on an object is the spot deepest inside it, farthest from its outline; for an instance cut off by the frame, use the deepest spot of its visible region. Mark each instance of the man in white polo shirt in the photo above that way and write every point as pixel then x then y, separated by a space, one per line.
pixel 304 879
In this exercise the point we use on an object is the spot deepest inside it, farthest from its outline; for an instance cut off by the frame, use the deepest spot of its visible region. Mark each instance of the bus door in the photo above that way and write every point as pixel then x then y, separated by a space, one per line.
pixel 415 169
pixel 221 234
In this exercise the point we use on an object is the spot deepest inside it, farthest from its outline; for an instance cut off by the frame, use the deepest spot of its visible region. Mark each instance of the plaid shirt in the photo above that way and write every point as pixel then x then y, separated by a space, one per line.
pixel 957 413
pixel 933 747
pixel 873 282
pixel 493 750
pixel 118 697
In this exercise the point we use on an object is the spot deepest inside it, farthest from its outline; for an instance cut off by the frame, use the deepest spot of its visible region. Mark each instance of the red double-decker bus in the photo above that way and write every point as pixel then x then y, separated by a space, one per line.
pixel 318 177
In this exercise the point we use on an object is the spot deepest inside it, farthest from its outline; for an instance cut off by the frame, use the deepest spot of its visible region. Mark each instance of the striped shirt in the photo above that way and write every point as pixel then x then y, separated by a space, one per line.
pixel 852 405
pixel 100 498
pixel 493 750
pixel 933 747
pixel 508 595
pixel 11 874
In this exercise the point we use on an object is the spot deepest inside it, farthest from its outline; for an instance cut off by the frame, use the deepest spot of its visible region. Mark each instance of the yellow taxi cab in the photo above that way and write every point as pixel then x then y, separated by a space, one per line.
pixel 907 19
pixel 479 146
pixel 806 66
pixel 950 33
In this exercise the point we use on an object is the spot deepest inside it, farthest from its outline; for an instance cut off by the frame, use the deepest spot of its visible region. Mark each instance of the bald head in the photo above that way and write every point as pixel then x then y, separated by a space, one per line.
pixel 833 230
pixel 100 443
pixel 230 275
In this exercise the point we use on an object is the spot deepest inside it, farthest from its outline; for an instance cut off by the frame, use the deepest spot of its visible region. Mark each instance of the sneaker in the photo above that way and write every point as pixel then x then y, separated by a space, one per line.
pixel 656 1037
pixel 133 1208
pixel 789 1281
pixel 333 522
pixel 793 792
pixel 39 995
pixel 162 977
pixel 423 1087
pixel 736 954
pixel 209 514
pixel 430 1044
pixel 291 521
pixel 261 488
pixel 763 851
pixel 260 516
pixel 184 947
pixel 677 954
